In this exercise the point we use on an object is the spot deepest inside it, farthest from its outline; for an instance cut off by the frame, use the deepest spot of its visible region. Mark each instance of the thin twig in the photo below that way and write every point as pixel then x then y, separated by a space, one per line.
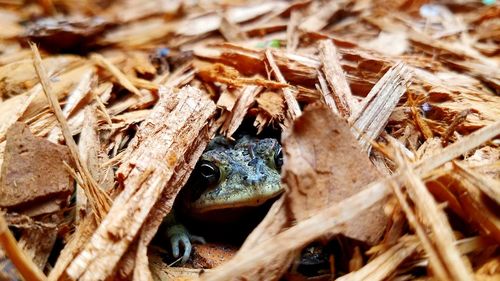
pixel 99 200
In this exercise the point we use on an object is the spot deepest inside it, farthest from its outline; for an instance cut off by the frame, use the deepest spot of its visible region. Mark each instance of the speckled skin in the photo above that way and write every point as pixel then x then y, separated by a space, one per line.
pixel 248 177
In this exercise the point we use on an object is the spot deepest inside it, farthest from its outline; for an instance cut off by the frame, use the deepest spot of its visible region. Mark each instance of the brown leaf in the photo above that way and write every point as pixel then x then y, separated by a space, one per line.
pixel 33 169
pixel 324 164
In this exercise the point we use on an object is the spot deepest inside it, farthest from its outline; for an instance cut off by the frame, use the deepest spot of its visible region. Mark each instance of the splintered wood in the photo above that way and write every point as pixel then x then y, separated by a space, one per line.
pixel 387 112
pixel 158 150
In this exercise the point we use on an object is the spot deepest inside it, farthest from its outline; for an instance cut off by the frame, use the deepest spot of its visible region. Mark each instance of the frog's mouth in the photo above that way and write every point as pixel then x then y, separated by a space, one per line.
pixel 251 197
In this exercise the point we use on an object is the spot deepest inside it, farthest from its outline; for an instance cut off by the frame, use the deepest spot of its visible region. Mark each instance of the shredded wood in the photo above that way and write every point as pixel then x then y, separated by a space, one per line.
pixel 380 102
pixel 387 113
pixel 341 93
pixel 293 105
pixel 158 162
pixel 100 201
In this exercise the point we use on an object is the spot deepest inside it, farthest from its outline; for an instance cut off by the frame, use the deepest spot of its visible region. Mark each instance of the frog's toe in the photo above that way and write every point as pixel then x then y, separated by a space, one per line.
pixel 179 236
pixel 196 238
pixel 186 245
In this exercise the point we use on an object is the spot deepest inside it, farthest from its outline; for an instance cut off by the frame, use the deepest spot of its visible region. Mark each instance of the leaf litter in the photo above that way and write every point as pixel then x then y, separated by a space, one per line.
pixel 388 114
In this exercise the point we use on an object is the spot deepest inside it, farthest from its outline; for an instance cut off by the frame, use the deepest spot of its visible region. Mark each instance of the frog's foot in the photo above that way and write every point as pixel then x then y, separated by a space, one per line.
pixel 179 235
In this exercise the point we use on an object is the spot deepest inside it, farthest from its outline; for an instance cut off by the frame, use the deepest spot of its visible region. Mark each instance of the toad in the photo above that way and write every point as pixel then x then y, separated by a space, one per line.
pixel 228 176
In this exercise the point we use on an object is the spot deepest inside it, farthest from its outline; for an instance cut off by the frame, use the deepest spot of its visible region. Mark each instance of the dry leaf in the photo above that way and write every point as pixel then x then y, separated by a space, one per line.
pixel 33 170
pixel 325 165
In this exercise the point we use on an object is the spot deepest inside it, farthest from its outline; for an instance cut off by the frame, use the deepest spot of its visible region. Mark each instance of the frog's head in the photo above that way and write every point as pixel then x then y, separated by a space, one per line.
pixel 240 175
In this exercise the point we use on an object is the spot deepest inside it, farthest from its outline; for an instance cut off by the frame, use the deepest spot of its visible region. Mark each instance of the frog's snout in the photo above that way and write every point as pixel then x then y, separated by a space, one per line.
pixel 254 179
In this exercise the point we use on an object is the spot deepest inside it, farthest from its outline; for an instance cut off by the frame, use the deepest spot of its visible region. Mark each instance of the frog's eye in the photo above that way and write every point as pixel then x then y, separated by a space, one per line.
pixel 209 171
pixel 278 156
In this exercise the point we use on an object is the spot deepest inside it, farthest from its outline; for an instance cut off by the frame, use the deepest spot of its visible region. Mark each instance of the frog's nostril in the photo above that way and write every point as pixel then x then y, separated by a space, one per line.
pixel 254 179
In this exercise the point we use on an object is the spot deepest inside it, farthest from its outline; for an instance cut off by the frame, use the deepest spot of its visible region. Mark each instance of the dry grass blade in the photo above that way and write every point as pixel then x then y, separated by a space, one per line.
pixel 99 200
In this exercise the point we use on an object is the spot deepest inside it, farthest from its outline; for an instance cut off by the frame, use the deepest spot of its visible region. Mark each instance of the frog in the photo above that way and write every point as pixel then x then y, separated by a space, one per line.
pixel 228 176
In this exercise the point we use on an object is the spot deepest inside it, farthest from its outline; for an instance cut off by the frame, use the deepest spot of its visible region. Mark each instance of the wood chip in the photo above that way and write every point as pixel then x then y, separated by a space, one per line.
pixel 376 108
pixel 341 93
pixel 144 180
pixel 136 89
pixel 122 79
pixel 446 253
pixel 25 266
pixel 245 99
pixel 293 106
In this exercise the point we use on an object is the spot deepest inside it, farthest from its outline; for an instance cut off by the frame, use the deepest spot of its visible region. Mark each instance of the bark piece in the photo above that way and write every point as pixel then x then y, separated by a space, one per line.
pixel 33 170
pixel 68 34
pixel 156 152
